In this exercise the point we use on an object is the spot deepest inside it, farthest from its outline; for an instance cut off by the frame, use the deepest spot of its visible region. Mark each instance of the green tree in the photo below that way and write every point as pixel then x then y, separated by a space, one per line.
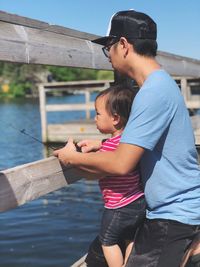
pixel 72 74
pixel 23 79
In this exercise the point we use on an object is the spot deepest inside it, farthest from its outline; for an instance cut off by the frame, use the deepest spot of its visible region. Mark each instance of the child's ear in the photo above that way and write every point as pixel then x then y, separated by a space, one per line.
pixel 116 119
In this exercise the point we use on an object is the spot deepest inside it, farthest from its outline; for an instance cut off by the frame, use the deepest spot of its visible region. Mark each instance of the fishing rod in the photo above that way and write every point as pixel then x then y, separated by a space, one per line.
pixel 23 131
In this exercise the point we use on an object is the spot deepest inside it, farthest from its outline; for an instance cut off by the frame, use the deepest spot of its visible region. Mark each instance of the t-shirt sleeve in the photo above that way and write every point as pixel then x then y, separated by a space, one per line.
pixel 150 116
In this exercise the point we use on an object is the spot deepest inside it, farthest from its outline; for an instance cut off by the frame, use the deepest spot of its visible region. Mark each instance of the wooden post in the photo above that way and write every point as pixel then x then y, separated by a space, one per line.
pixel 184 90
pixel 43 115
pixel 87 101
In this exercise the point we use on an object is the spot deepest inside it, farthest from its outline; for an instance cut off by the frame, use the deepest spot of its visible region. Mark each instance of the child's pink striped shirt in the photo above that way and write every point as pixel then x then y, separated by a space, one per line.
pixel 119 191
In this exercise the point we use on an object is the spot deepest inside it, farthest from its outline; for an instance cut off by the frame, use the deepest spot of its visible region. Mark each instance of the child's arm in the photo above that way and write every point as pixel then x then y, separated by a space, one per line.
pixel 89 145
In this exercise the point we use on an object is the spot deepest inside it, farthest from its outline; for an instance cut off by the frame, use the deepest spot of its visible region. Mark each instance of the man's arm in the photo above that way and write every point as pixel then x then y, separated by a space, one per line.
pixel 119 162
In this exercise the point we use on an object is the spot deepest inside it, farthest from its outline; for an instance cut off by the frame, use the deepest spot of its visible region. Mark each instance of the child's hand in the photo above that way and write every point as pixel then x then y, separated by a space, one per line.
pixel 89 145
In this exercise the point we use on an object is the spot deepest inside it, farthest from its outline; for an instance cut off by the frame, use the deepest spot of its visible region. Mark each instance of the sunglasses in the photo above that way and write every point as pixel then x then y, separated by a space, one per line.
pixel 106 48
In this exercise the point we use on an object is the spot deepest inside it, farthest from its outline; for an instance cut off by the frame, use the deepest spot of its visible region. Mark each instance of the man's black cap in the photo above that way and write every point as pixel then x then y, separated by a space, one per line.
pixel 131 25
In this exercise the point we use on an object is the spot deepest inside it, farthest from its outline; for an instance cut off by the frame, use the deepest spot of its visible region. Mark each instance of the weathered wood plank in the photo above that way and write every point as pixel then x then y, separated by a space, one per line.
pixel 77 85
pixel 34 46
pixel 179 65
pixel 27 182
pixel 34 42
pixel 36 24
pixel 78 130
pixel 70 107
pixel 87 129
pixel 193 104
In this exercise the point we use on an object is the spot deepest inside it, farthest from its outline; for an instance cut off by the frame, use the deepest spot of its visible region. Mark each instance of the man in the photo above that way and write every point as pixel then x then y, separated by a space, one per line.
pixel 160 136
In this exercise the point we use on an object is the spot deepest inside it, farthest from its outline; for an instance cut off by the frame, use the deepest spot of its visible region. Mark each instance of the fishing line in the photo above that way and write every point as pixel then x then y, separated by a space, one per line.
pixel 23 131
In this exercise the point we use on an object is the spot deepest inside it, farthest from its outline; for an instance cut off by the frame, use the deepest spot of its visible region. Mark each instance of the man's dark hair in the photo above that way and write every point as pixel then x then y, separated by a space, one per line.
pixel 119 101
pixel 144 47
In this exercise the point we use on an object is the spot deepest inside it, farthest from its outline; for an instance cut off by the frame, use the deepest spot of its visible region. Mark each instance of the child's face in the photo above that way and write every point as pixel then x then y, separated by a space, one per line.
pixel 104 121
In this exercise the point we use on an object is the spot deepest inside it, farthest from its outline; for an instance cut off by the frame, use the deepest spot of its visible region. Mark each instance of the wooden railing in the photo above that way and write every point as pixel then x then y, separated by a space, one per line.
pixel 84 87
pixel 30 41
pixel 27 182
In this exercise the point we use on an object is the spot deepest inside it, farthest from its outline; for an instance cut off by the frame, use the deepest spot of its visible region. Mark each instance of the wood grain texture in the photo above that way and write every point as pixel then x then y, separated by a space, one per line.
pixel 27 182
pixel 30 41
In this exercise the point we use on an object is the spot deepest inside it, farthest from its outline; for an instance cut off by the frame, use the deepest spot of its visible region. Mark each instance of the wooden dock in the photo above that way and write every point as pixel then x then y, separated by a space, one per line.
pixel 86 128
pixel 58 133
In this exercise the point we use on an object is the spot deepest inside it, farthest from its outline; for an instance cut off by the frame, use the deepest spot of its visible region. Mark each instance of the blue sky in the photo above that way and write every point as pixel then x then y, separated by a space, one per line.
pixel 178 21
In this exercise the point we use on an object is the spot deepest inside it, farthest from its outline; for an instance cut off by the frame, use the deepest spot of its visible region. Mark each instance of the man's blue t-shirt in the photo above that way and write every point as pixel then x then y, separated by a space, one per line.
pixel 160 123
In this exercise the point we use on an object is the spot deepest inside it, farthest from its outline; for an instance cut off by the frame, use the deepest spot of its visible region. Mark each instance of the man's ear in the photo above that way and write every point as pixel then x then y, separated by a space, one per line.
pixel 125 45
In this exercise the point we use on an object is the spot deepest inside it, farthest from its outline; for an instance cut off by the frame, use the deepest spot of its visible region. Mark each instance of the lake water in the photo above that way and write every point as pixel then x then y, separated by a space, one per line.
pixel 56 229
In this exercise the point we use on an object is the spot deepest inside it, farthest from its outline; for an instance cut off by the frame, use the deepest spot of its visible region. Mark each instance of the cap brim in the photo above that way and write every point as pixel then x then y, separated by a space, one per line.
pixel 102 40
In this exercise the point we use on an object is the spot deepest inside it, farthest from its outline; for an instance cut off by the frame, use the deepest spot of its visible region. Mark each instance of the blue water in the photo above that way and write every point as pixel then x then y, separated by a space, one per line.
pixel 56 229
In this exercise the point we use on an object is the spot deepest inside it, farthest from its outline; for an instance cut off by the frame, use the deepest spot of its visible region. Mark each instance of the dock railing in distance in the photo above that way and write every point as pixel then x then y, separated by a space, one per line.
pixel 86 128
pixel 190 88
pixel 24 40
pixel 83 87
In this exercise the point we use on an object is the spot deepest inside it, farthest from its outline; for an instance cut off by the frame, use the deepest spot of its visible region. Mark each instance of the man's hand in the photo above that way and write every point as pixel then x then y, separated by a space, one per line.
pixel 64 154
pixel 89 145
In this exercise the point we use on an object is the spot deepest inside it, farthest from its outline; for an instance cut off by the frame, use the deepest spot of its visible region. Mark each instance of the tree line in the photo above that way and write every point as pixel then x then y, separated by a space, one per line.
pixel 20 80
